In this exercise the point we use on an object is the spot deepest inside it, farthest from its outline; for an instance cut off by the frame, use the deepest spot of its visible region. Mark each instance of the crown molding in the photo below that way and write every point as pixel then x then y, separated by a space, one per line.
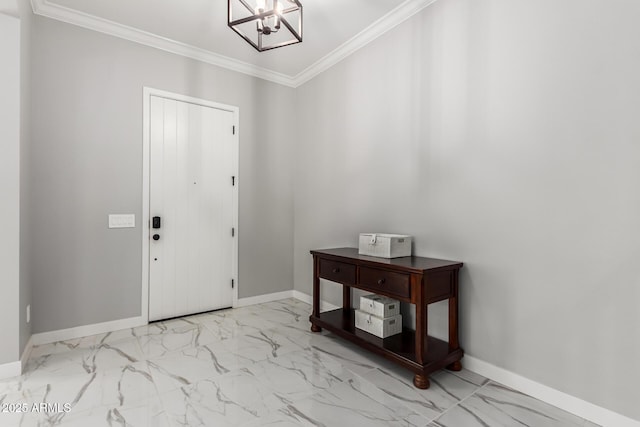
pixel 10 8
pixel 395 17
pixel 91 22
pixel 389 21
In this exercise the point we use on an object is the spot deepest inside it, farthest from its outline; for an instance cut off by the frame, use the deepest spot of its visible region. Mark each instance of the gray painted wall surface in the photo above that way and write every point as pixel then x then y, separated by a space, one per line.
pixel 86 162
pixel 9 186
pixel 26 242
pixel 505 135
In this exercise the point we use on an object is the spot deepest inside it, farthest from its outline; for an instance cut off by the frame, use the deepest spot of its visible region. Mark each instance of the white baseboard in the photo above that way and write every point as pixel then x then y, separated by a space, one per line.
pixel 564 401
pixel 25 354
pixel 276 296
pixel 86 330
pixel 324 305
pixel 10 370
pixel 259 299
pixel 100 328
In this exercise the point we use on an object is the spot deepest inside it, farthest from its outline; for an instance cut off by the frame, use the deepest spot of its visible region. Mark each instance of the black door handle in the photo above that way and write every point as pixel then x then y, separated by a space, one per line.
pixel 156 222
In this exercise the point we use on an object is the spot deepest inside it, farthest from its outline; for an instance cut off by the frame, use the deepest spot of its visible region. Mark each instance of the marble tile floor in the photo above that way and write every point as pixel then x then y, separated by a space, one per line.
pixel 251 366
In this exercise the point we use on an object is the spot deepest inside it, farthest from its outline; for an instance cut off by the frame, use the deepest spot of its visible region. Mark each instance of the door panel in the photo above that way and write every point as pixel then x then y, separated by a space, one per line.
pixel 190 188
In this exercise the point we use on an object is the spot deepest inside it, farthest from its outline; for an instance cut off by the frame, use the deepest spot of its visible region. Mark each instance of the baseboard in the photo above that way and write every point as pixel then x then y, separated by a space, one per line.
pixel 100 328
pixel 324 305
pixel 25 354
pixel 259 299
pixel 86 330
pixel 10 370
pixel 15 369
pixel 564 401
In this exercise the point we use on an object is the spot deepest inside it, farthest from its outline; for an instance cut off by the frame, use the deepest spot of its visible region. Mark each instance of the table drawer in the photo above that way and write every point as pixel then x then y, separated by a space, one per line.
pixel 338 271
pixel 387 281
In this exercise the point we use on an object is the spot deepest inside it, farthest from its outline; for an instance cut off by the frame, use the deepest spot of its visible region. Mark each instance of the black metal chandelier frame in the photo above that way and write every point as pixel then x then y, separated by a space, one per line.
pixel 258 17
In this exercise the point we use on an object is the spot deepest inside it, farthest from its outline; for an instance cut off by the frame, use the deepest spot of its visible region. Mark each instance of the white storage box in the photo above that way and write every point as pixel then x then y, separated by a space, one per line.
pixel 379 306
pixel 378 326
pixel 384 245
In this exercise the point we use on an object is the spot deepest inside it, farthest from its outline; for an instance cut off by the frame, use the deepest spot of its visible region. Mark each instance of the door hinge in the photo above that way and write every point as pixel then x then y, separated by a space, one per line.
pixel 233 180
pixel 233 232
pixel 232 283
pixel 234 130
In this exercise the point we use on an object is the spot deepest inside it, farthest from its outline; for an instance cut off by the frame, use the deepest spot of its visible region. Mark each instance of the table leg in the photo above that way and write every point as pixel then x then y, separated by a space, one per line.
pixel 421 332
pixel 316 294
pixel 420 380
pixel 454 344
pixel 346 297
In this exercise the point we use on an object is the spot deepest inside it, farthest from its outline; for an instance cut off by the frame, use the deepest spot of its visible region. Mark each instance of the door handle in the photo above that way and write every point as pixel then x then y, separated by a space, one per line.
pixel 156 222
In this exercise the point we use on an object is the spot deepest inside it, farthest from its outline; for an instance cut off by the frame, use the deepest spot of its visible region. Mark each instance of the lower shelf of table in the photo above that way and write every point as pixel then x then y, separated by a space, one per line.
pixel 399 348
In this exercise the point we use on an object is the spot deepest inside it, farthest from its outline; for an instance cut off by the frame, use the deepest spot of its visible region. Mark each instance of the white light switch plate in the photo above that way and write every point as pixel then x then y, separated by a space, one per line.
pixel 122 221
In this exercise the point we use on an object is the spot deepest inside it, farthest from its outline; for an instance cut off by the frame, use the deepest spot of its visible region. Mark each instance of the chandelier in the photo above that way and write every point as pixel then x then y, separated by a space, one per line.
pixel 266 24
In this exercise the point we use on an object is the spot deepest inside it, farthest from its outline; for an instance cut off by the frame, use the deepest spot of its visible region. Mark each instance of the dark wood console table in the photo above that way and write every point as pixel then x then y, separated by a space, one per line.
pixel 416 280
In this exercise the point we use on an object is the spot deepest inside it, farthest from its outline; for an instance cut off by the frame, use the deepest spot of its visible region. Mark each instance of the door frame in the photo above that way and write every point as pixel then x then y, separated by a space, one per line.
pixel 146 181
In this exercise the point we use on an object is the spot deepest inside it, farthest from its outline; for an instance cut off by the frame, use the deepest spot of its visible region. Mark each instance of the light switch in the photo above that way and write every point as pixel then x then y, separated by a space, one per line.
pixel 122 221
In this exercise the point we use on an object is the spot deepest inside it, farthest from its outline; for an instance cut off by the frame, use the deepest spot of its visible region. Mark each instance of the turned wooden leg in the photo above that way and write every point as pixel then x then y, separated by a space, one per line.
pixel 455 366
pixel 315 328
pixel 421 381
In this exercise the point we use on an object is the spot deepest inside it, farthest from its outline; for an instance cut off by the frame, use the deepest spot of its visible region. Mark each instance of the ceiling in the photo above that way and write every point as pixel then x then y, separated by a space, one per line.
pixel 198 28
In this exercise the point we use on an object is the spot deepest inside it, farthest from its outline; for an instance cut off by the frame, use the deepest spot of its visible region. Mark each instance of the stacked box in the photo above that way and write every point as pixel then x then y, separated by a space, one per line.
pixel 379 316
pixel 384 245
pixel 379 306
pixel 378 326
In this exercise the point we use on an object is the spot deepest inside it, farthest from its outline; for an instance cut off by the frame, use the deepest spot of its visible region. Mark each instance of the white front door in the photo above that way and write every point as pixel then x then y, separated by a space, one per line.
pixel 191 208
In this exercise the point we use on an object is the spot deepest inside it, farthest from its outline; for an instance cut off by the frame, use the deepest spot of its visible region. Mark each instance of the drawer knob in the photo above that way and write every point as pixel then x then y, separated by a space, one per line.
pixel 336 270
pixel 381 281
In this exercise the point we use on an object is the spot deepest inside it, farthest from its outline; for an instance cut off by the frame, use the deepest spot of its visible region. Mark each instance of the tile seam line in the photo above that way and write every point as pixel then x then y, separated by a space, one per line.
pixel 401 403
pixel 459 402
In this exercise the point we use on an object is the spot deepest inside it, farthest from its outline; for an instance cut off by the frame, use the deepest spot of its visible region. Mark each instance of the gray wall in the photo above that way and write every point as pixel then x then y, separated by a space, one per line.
pixel 26 242
pixel 9 186
pixel 86 162
pixel 505 135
